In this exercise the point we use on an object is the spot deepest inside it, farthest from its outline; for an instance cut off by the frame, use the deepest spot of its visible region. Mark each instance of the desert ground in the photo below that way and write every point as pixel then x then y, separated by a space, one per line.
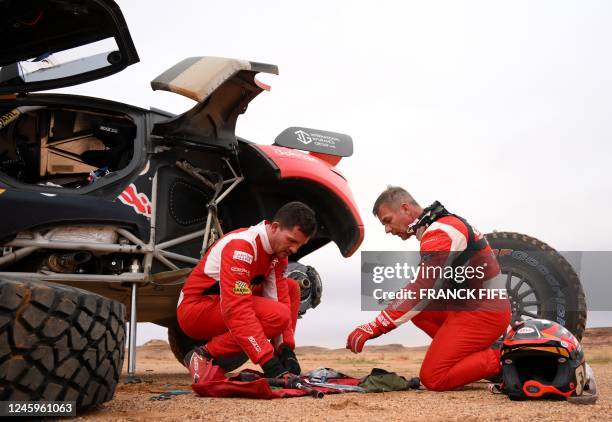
pixel 159 371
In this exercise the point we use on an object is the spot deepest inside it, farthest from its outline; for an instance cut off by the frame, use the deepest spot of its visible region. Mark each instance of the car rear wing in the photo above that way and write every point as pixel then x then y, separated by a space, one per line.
pixel 221 86
pixel 320 143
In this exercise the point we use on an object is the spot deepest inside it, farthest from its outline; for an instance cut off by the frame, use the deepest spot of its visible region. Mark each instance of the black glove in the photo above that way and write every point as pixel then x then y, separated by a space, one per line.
pixel 273 368
pixel 289 360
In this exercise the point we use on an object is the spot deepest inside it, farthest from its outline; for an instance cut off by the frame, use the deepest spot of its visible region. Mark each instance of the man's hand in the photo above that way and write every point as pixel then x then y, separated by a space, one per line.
pixel 381 325
pixel 289 360
pixel 273 368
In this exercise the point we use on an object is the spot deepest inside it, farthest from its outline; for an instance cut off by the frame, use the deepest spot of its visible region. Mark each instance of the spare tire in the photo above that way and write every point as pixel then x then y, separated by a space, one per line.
pixel 59 343
pixel 540 282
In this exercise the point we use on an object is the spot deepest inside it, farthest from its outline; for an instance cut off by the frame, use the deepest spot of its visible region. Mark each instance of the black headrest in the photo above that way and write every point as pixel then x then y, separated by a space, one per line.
pixel 116 133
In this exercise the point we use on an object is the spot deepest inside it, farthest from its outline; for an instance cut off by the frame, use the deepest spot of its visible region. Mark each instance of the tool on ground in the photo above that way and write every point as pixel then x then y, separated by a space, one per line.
pixel 167 395
pixel 339 387
pixel 287 381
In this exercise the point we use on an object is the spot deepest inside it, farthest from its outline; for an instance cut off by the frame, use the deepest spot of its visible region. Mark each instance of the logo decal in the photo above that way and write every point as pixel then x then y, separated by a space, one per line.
pixel 243 256
pixel 109 129
pixel 254 343
pixel 580 379
pixel 303 137
pixel 138 201
pixel 526 330
pixel 240 270
pixel 383 320
pixel 241 288
pixel 367 328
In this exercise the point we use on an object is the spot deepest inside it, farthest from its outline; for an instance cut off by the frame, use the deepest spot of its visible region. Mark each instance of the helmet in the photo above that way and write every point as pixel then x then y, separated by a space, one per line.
pixel 541 358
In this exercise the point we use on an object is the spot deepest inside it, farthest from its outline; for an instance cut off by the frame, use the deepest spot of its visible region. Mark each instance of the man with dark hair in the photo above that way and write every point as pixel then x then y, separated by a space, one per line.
pixel 237 298
pixel 462 333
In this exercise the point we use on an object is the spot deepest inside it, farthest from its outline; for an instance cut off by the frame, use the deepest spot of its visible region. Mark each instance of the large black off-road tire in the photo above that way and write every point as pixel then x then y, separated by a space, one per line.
pixel 59 343
pixel 540 281
pixel 181 344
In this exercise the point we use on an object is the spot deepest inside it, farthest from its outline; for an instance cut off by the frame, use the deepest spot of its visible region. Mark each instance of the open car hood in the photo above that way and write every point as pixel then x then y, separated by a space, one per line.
pixel 48 44
pixel 223 89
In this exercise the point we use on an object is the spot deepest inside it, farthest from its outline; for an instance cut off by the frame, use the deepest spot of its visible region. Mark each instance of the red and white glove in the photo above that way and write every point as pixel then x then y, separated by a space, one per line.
pixel 381 325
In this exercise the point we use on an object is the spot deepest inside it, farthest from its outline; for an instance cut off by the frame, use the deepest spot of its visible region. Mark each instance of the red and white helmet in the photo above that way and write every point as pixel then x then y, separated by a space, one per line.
pixel 541 358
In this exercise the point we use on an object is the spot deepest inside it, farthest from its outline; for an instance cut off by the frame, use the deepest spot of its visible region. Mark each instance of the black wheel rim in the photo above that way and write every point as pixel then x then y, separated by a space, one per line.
pixel 524 299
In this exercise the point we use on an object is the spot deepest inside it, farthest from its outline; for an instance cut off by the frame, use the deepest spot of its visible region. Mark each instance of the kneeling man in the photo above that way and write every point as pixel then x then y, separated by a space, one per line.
pixel 463 332
pixel 237 298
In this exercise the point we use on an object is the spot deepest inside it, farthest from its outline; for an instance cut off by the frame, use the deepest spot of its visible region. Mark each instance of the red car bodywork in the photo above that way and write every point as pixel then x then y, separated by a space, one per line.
pixel 316 168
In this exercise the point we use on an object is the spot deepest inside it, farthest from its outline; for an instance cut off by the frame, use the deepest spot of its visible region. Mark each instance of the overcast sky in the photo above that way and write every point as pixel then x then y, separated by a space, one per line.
pixel 501 110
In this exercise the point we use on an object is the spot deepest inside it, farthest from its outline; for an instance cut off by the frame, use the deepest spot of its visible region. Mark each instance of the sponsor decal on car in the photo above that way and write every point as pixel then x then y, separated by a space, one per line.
pixel 254 343
pixel 243 256
pixel 241 288
pixel 526 330
pixel 303 137
pixel 138 201
pixel 293 154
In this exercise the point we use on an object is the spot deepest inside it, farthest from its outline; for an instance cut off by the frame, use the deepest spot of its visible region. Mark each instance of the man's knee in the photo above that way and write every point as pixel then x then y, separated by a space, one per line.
pixel 434 373
pixel 276 320
pixel 433 381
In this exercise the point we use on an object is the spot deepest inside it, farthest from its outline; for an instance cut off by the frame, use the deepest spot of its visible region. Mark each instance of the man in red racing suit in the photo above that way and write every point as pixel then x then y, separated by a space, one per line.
pixel 463 332
pixel 237 298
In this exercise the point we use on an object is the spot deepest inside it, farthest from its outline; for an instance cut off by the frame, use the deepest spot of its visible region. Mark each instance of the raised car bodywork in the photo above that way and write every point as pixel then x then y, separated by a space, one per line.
pixel 174 183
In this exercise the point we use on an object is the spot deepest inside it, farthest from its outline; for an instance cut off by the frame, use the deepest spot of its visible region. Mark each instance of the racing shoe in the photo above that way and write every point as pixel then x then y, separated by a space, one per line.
pixel 202 367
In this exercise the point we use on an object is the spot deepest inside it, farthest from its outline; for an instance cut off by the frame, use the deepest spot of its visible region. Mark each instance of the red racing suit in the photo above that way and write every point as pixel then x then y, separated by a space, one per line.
pixel 462 333
pixel 237 297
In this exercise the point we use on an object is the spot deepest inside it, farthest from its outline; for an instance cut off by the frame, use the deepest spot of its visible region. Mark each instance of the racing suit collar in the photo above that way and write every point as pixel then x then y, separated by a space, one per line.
pixel 263 234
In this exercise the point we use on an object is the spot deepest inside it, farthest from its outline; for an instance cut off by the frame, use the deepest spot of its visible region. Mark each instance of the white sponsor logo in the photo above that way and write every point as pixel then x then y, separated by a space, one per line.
pixel 526 330
pixel 243 256
pixel 580 379
pixel 293 154
pixel 383 321
pixel 254 343
pixel 367 328
pixel 317 139
pixel 303 137
pixel 564 343
pixel 240 270
pixel 109 129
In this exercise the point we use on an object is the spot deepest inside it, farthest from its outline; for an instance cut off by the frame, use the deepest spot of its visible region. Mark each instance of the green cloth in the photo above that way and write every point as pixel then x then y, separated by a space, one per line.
pixel 380 381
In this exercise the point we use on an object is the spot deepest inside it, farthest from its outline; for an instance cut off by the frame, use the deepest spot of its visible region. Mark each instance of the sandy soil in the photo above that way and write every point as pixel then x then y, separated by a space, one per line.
pixel 159 371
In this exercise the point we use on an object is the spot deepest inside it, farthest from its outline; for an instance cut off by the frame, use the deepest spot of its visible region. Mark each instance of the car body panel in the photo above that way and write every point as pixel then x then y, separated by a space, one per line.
pixel 299 165
pixel 41 41
pixel 222 87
